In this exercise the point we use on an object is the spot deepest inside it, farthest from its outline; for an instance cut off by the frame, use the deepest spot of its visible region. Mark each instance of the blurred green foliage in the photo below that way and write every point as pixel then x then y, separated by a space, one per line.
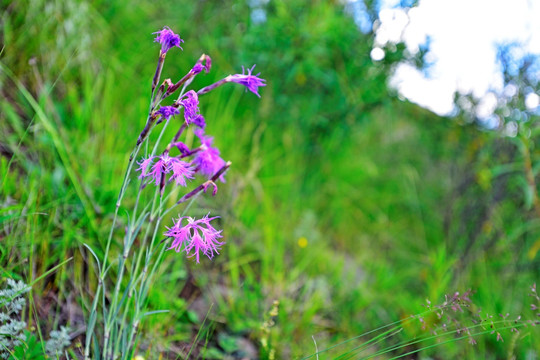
pixel 344 204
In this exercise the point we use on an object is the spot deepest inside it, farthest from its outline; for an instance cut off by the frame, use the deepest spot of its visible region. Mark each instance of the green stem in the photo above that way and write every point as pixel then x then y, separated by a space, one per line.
pixel 93 312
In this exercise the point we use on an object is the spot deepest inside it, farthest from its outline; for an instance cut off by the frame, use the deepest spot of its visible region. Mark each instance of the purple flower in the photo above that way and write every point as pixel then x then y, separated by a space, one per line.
pixel 167 111
pixel 207 161
pixel 197 236
pixel 200 67
pixel 190 103
pixel 197 69
pixel 168 39
pixel 144 165
pixel 251 82
pixel 181 170
pixel 160 168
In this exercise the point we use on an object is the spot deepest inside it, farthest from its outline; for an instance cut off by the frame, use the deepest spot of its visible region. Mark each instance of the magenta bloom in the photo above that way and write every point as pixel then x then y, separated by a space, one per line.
pixel 197 236
pixel 180 170
pixel 168 39
pixel 200 67
pixel 207 161
pixel 251 82
pixel 197 68
pixel 167 111
pixel 144 165
pixel 160 168
pixel 190 103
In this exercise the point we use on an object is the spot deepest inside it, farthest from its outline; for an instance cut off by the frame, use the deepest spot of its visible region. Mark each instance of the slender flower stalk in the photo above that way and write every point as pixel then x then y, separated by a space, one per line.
pixel 251 82
pixel 204 63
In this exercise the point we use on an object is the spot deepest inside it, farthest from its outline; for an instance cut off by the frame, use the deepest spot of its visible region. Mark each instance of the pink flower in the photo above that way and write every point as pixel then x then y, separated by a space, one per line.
pixel 181 170
pixel 168 39
pixel 198 236
pixel 251 82
pixel 190 102
pixel 207 161
pixel 167 111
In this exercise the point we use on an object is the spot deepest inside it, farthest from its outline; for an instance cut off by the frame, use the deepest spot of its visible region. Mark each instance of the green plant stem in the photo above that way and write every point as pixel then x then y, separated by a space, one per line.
pixel 93 312
pixel 444 342
pixel 529 175
pixel 143 288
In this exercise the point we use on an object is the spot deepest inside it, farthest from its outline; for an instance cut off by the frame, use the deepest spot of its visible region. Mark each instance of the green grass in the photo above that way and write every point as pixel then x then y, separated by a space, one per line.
pixel 397 205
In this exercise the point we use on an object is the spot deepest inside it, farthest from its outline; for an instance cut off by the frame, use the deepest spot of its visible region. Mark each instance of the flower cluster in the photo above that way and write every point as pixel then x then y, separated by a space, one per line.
pixel 196 236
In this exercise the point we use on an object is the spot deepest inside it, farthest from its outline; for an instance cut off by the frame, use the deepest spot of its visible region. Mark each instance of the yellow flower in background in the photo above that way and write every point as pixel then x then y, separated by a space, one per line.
pixel 531 254
pixel 302 242
pixel 138 357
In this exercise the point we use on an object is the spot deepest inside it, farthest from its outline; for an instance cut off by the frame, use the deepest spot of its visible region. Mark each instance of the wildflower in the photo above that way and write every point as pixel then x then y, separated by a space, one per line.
pixel 199 65
pixel 302 242
pixel 207 161
pixel 197 69
pixel 165 164
pixel 144 165
pixel 167 111
pixel 181 171
pixel 197 236
pixel 251 82
pixel 190 103
pixel 160 168
pixel 168 39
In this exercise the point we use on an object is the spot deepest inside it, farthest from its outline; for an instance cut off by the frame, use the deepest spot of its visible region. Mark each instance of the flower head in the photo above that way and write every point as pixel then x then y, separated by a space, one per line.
pixel 168 39
pixel 207 161
pixel 181 170
pixel 197 236
pixel 167 111
pixel 251 82
pixel 190 103
pixel 199 65
pixel 160 168
pixel 144 164
pixel 197 69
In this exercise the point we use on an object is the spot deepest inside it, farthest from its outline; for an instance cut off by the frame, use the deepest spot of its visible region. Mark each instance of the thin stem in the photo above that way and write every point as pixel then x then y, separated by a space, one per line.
pixel 143 288
pixel 159 68
pixel 175 138
pixel 93 312
pixel 154 150
pixel 529 174
pixel 211 87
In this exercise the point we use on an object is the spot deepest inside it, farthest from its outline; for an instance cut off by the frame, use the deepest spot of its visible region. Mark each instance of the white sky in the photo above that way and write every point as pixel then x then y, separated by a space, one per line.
pixel 462 34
